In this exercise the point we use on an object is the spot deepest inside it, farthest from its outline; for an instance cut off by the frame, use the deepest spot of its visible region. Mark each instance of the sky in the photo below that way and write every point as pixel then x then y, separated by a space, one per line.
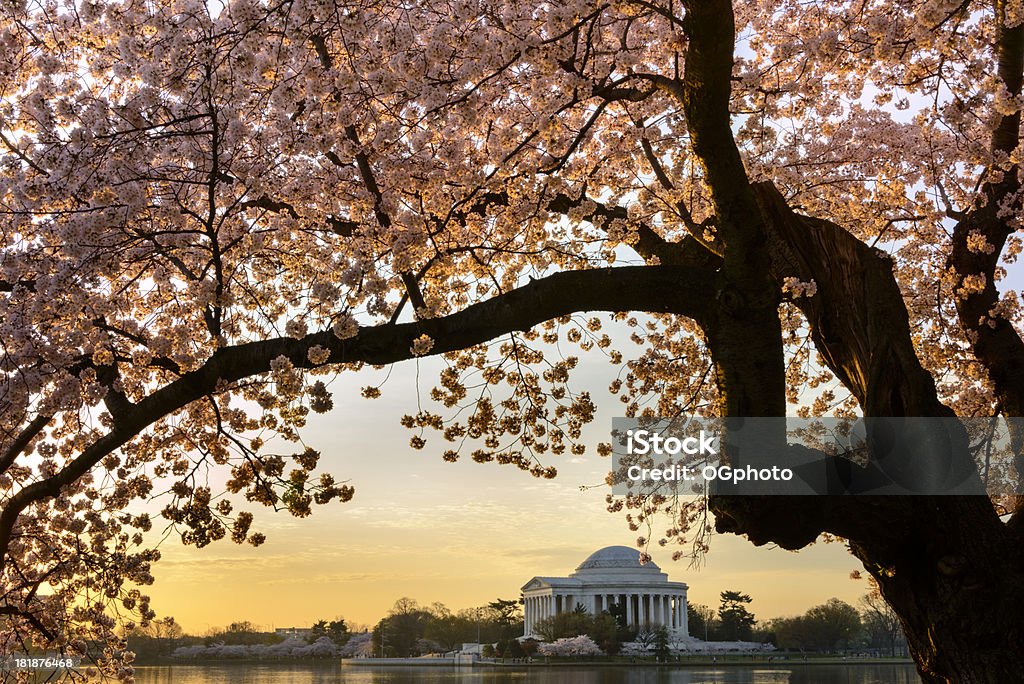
pixel 462 534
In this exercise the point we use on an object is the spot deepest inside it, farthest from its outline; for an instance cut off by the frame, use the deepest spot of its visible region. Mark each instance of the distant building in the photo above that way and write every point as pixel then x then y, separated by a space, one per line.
pixel 610 577
pixel 293 632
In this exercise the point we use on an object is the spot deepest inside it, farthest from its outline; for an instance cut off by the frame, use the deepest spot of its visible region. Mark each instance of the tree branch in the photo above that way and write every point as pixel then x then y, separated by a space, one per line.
pixel 15 448
pixel 662 289
pixel 412 287
pixel 979 238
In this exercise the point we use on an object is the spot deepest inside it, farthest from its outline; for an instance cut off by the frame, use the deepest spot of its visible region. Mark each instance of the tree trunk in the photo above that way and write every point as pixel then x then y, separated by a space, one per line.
pixel 958 588
pixel 949 567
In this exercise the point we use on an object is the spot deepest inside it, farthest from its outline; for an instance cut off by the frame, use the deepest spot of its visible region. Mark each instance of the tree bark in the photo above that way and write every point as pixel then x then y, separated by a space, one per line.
pixel 955 577
pixel 951 569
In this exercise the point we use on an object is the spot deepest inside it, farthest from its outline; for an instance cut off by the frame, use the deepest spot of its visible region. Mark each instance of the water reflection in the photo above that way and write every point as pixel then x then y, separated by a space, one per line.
pixel 338 674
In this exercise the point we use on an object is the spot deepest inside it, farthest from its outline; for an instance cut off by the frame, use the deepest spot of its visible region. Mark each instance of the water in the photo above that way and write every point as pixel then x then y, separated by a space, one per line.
pixel 339 674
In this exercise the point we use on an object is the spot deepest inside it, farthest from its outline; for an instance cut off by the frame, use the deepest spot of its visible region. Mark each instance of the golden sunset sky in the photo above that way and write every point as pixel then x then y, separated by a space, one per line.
pixel 462 534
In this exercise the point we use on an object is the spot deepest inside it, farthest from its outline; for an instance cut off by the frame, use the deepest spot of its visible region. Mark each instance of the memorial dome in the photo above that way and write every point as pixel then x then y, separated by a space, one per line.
pixel 615 557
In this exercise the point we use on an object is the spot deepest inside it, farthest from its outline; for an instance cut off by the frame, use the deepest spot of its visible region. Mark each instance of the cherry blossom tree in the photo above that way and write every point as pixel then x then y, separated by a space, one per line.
pixel 581 645
pixel 210 209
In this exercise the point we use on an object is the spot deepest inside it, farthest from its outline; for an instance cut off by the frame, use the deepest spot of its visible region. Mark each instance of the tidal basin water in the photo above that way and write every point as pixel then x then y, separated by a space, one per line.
pixel 339 674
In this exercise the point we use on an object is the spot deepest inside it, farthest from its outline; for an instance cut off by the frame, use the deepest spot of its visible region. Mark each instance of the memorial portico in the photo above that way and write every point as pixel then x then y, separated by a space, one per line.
pixel 610 577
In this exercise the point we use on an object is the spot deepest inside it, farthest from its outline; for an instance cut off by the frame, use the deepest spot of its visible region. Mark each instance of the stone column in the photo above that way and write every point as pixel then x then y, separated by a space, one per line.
pixel 526 616
pixel 641 608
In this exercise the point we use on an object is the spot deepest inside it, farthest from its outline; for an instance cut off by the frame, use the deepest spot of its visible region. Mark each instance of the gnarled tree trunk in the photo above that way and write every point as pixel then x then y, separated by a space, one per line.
pixel 951 569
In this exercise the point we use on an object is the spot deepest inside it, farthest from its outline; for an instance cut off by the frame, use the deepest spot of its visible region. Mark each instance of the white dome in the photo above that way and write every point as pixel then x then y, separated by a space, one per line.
pixel 616 557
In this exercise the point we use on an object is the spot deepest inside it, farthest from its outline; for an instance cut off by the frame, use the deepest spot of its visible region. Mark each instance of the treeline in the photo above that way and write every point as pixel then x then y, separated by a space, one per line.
pixel 165 638
pixel 411 630
pixel 607 630
pixel 832 627
pixel 407 630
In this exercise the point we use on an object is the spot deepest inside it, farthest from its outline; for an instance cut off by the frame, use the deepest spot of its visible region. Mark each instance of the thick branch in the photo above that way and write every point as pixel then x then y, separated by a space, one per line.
pixel 978 242
pixel 660 289
pixel 744 338
pixel 705 94
pixel 1010 58
pixel 859 322
pixel 860 325
pixel 994 341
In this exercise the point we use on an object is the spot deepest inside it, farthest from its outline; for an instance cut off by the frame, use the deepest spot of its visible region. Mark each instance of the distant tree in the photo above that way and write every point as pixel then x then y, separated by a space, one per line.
pixel 606 631
pixel 449 630
pixel 563 625
pixel 793 633
pixel 360 645
pixel 580 645
pixel 702 620
pixel 243 627
pixel 164 628
pixel 400 632
pixel 513 649
pixel 835 624
pixel 335 630
pixel 379 646
pixel 157 639
pixel 506 615
pixel 241 633
pixel 603 628
pixel 661 649
pixel 737 621
pixel 530 647
pixel 618 611
pixel 764 633
pixel 505 611
pixel 881 624
pixel 645 637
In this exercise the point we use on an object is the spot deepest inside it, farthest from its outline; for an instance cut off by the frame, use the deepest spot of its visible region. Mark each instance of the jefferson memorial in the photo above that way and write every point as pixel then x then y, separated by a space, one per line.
pixel 609 577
